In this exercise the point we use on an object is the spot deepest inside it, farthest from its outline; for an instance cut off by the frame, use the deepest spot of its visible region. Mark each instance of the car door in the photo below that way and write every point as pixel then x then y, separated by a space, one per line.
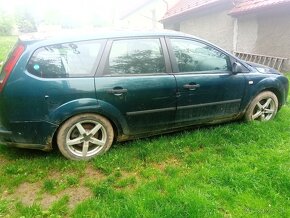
pixel 206 87
pixel 134 81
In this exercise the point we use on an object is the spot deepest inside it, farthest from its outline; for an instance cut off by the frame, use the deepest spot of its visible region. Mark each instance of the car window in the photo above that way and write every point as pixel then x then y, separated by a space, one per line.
pixel 192 56
pixel 135 56
pixel 65 60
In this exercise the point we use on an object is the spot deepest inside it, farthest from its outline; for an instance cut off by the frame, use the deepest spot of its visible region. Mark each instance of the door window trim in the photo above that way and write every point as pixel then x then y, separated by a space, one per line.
pixel 106 55
pixel 89 75
pixel 175 68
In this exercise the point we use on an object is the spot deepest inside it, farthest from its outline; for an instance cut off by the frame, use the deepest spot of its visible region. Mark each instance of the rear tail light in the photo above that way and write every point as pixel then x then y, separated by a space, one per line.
pixel 10 63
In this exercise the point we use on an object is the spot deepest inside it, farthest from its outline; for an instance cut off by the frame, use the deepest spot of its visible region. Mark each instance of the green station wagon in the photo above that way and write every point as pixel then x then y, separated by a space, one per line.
pixel 85 91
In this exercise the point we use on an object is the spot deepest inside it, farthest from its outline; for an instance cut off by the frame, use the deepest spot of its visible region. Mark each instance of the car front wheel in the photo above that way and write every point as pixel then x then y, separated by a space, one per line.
pixel 85 136
pixel 263 107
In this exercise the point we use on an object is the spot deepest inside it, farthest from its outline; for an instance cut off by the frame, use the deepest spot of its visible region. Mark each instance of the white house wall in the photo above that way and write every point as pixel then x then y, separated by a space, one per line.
pixel 247 34
pixel 265 33
pixel 215 27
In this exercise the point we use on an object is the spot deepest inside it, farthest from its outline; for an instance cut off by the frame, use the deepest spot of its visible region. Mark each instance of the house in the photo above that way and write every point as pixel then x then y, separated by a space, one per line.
pixel 260 27
pixel 143 14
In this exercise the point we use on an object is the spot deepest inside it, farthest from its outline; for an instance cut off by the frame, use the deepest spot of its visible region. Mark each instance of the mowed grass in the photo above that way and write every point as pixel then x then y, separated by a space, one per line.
pixel 232 170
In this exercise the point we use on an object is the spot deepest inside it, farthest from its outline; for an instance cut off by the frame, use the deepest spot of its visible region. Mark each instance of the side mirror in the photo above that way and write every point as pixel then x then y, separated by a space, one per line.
pixel 237 68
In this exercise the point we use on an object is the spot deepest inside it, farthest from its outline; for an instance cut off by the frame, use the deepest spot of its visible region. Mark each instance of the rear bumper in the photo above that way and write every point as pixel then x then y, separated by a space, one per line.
pixel 7 138
pixel 5 135
pixel 29 146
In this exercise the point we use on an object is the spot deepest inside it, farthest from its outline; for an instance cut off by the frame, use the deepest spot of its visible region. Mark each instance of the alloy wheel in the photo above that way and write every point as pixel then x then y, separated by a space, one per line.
pixel 86 138
pixel 264 110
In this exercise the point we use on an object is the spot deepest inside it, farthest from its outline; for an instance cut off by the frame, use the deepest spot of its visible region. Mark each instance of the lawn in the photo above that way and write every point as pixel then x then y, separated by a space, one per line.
pixel 231 170
pixel 6 43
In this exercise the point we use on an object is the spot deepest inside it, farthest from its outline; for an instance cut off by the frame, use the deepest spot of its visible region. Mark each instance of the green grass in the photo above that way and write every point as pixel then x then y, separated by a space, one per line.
pixel 6 44
pixel 231 170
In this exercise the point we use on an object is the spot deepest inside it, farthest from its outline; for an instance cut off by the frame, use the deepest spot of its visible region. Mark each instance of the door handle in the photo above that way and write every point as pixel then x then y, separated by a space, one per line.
pixel 118 91
pixel 191 86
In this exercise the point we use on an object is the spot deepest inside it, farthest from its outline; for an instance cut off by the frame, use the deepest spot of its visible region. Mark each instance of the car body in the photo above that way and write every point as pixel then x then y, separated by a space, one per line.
pixel 81 89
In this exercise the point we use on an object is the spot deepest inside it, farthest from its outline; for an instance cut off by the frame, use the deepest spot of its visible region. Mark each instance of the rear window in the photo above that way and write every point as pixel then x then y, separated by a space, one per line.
pixel 77 59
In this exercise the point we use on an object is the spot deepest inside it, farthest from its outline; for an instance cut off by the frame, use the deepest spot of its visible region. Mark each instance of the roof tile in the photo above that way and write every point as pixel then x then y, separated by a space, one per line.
pixel 188 5
pixel 252 5
pixel 241 6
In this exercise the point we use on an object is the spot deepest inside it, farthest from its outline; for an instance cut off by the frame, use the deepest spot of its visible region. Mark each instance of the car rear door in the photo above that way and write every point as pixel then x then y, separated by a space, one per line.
pixel 206 87
pixel 133 81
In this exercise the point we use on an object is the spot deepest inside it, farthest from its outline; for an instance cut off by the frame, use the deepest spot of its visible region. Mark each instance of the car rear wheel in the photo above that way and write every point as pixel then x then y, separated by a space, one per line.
pixel 85 136
pixel 263 107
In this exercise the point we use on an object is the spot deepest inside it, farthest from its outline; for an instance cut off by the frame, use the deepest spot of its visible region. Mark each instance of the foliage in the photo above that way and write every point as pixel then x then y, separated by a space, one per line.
pixel 6 24
pixel 25 21
pixel 137 62
pixel 6 43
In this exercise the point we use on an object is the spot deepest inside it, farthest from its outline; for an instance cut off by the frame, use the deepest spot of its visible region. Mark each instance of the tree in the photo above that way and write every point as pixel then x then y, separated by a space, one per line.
pixel 25 21
pixel 6 24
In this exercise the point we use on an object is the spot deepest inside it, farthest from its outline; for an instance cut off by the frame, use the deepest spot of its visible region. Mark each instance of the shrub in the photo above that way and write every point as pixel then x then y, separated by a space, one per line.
pixel 6 24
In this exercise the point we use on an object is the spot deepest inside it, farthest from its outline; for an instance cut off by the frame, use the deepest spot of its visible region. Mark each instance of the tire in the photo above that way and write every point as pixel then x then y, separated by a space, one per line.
pixel 263 107
pixel 85 136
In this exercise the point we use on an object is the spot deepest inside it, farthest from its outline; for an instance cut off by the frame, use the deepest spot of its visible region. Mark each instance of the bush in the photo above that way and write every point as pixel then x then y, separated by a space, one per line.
pixel 6 24
pixel 25 21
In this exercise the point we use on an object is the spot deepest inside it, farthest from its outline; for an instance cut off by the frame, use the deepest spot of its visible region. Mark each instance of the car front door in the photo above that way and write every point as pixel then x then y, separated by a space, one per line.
pixel 133 81
pixel 206 87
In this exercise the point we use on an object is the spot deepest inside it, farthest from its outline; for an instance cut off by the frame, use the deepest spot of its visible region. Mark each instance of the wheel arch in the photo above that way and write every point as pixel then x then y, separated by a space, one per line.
pixel 276 92
pixel 90 106
pixel 271 89
pixel 260 112
pixel 117 130
pixel 271 84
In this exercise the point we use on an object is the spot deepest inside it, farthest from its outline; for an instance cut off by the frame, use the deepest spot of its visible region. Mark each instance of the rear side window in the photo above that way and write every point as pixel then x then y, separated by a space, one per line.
pixel 136 56
pixel 77 59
